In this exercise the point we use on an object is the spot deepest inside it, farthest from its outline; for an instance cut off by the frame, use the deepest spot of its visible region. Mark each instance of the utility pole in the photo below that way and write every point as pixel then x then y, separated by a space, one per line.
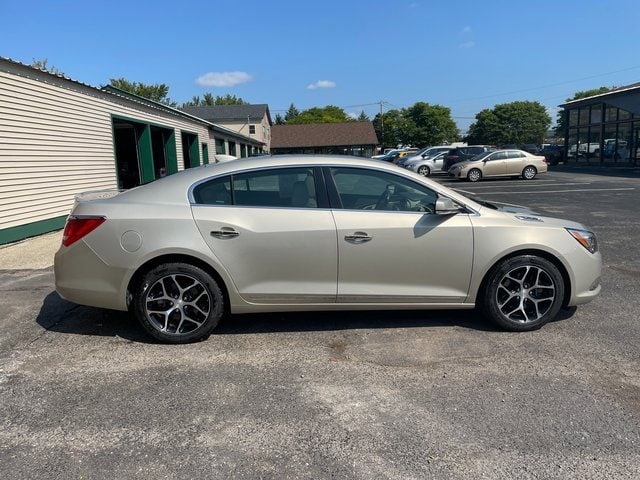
pixel 381 124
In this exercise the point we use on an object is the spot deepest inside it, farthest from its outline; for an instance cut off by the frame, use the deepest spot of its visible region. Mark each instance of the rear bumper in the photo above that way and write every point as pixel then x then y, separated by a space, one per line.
pixel 82 277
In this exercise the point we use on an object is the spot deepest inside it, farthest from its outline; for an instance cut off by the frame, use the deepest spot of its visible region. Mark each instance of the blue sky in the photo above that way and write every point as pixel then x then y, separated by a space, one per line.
pixel 466 55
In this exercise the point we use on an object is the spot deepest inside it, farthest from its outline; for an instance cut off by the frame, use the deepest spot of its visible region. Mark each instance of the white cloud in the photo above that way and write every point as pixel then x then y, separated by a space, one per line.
pixel 466 29
pixel 467 45
pixel 322 84
pixel 353 115
pixel 223 79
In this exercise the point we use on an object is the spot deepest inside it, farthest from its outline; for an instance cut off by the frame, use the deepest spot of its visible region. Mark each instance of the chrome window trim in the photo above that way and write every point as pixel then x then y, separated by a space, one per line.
pixel 401 172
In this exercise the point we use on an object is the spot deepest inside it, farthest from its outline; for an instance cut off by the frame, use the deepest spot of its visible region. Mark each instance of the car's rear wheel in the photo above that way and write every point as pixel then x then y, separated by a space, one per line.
pixel 523 293
pixel 178 303
pixel 529 173
pixel 474 175
pixel 424 171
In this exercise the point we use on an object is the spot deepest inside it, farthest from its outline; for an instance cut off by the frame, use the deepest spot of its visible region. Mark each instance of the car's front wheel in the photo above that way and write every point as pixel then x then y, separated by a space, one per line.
pixel 178 303
pixel 474 175
pixel 424 171
pixel 523 293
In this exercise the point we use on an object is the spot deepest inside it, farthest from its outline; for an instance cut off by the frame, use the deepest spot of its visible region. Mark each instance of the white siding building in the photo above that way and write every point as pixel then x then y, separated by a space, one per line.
pixel 59 137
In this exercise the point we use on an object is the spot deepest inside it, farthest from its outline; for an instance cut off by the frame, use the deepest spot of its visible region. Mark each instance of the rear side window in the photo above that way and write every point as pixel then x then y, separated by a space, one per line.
pixel 286 187
pixel 214 192
pixel 516 154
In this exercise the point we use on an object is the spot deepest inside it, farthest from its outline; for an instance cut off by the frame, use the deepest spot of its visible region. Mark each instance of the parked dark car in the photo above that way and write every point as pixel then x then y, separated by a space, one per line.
pixel 532 148
pixel 460 154
pixel 553 153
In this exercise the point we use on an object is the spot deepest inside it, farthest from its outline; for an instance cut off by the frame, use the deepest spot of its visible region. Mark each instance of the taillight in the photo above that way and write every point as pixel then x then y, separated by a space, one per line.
pixel 78 227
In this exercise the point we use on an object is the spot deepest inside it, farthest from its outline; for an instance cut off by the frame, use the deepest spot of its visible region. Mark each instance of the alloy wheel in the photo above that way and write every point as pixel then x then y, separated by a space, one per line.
pixel 177 304
pixel 525 294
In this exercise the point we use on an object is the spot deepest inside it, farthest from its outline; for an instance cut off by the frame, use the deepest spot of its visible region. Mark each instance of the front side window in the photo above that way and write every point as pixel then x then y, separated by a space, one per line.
pixel 498 156
pixel 361 189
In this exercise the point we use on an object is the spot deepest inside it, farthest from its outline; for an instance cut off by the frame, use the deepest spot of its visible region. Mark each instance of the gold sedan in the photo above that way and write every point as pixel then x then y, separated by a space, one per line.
pixel 501 163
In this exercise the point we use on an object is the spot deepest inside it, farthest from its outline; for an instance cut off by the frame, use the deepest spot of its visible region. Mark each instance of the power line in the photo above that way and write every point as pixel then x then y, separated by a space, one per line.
pixel 545 86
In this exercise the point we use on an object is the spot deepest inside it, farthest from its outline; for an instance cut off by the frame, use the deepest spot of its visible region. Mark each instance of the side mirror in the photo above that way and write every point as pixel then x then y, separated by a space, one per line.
pixel 446 206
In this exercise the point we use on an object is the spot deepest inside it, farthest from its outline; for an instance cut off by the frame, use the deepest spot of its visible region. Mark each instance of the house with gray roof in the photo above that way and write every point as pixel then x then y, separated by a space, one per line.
pixel 253 121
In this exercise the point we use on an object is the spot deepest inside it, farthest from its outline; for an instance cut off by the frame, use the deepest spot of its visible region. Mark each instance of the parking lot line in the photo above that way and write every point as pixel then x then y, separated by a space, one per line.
pixel 529 185
pixel 554 191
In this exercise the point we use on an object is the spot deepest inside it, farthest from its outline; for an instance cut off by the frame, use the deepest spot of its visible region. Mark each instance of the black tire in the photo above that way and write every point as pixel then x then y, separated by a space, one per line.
pixel 529 172
pixel 474 175
pixel 512 302
pixel 178 303
pixel 424 171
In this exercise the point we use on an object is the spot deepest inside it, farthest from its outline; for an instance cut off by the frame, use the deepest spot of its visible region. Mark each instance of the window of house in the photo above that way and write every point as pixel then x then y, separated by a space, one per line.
pixel 220 147
pixel 252 129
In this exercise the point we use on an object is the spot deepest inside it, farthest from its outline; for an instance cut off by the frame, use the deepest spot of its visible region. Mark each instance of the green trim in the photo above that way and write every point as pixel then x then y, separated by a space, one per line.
pixel 145 152
pixel 193 146
pixel 172 153
pixel 13 234
pixel 205 154
pixel 145 149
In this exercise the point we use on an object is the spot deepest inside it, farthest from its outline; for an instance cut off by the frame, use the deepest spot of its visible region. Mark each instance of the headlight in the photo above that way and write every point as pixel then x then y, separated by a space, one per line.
pixel 585 238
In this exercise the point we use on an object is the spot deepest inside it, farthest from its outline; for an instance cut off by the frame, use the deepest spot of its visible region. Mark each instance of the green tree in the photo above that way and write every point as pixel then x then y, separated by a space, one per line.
pixel 291 113
pixel 363 117
pixel 328 114
pixel 208 100
pixel 420 125
pixel 515 122
pixel 44 65
pixel 279 119
pixel 158 92
pixel 561 121
pixel 432 125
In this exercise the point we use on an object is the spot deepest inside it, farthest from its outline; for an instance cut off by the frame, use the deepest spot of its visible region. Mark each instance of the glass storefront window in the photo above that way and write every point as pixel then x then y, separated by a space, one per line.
pixel 623 114
pixel 572 145
pixel 623 149
pixel 594 145
pixel 583 144
pixel 573 117
pixel 596 114
pixel 611 114
pixel 584 116
pixel 610 143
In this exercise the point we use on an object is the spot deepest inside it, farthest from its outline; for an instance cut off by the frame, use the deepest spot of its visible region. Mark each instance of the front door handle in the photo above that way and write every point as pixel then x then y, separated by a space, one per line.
pixel 224 232
pixel 358 237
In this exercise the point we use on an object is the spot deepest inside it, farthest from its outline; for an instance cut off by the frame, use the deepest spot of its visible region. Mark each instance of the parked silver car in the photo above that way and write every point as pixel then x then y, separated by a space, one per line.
pixel 294 233
pixel 427 166
pixel 427 152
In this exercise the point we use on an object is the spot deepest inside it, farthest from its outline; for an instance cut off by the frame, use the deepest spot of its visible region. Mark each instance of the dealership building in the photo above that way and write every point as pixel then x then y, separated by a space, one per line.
pixel 604 129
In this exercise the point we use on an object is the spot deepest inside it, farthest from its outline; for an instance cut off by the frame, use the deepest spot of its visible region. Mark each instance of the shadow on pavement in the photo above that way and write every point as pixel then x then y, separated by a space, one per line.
pixel 601 170
pixel 58 315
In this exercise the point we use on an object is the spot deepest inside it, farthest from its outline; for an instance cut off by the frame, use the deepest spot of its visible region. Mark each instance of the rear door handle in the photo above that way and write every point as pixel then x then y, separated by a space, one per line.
pixel 224 232
pixel 358 237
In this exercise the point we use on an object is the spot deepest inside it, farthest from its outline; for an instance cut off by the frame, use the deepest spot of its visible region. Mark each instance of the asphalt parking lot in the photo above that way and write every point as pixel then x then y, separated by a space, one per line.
pixel 86 394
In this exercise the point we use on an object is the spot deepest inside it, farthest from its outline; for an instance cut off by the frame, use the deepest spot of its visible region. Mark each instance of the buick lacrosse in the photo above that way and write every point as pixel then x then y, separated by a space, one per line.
pixel 296 233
